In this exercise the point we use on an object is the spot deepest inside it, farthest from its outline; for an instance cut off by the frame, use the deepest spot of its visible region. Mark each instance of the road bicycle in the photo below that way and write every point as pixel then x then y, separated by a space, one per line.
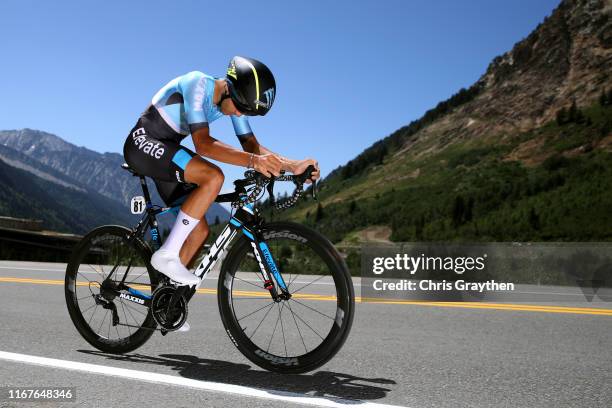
pixel 285 294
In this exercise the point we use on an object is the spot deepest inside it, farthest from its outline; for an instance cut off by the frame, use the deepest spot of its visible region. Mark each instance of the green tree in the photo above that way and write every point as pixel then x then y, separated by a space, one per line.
pixel 561 116
pixel 382 152
pixel 419 225
pixel 603 98
pixel 352 207
pixel 534 219
pixel 286 251
pixel 469 210
pixel 348 170
pixel 572 113
pixel 217 220
pixel 319 214
pixel 458 211
pixel 606 128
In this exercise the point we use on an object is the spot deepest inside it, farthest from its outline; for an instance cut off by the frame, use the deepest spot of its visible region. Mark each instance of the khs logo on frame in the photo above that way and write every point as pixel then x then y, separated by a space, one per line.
pixel 139 137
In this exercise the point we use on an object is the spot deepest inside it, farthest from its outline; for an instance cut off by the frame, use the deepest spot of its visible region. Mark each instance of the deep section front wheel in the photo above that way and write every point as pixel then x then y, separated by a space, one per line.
pixel 293 335
pixel 110 319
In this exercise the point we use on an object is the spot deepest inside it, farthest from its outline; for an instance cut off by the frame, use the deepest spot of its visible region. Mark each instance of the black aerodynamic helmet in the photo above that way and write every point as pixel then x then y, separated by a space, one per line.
pixel 251 86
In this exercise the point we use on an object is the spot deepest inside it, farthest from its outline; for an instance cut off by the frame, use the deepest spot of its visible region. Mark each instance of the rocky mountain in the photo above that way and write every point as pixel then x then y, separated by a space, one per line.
pixel 31 190
pixel 566 58
pixel 100 171
pixel 523 154
pixel 81 167
pixel 19 160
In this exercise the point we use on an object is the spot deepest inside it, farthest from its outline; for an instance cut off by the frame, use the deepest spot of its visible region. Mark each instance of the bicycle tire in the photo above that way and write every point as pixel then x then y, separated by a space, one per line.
pixel 345 301
pixel 79 254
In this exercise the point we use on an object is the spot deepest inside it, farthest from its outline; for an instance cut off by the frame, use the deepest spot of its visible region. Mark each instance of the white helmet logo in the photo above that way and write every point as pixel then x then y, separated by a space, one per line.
pixel 269 94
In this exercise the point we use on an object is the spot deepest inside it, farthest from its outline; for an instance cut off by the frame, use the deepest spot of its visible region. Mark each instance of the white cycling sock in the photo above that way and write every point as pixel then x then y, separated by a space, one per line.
pixel 183 226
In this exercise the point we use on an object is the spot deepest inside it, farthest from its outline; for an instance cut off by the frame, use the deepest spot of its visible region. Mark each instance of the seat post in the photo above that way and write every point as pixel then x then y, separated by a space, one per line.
pixel 145 191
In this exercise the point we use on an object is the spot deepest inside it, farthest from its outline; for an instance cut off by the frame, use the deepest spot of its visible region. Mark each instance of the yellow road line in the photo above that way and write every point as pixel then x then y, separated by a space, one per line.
pixel 307 296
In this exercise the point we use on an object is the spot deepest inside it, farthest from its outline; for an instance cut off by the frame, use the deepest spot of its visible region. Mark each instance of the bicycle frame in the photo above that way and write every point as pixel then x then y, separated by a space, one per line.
pixel 246 220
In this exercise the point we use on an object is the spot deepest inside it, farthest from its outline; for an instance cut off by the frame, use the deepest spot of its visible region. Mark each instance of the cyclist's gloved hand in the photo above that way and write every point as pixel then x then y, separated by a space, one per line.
pixel 267 164
pixel 301 165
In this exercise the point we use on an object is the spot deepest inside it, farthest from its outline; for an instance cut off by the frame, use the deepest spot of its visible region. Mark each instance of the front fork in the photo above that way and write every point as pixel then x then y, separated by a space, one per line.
pixel 246 220
pixel 269 270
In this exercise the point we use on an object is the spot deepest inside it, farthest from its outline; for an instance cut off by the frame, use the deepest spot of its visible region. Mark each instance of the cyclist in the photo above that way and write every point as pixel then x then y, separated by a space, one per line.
pixel 187 105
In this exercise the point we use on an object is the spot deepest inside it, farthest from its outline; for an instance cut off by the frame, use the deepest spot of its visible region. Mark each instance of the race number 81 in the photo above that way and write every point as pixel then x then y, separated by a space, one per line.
pixel 137 205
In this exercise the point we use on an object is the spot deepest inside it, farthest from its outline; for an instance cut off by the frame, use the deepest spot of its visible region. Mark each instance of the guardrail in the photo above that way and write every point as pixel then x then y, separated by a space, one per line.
pixel 27 245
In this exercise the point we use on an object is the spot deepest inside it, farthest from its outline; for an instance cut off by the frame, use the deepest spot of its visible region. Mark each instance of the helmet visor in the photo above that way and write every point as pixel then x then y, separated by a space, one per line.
pixel 239 101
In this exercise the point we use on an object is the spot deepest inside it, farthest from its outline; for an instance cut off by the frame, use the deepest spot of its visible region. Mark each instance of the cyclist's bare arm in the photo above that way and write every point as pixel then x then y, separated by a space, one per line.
pixel 208 146
pixel 252 145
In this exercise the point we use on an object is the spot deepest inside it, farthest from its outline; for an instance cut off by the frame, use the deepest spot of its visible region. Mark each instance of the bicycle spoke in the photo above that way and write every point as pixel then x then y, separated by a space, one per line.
pixel 135 279
pixel 127 270
pixel 273 332
pixel 100 328
pixel 92 315
pixel 250 283
pixel 262 320
pixel 128 310
pixel 102 269
pixel 313 309
pixel 264 296
pixel 298 327
pixel 89 308
pixel 318 279
pixel 96 271
pixel 110 321
pixel 283 330
pixel 292 280
pixel 84 277
pixel 86 296
pixel 263 307
pixel 133 308
pixel 303 321
pixel 126 319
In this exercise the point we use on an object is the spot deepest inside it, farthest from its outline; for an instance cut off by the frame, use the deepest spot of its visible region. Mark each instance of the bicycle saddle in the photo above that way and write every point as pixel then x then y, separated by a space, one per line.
pixel 127 167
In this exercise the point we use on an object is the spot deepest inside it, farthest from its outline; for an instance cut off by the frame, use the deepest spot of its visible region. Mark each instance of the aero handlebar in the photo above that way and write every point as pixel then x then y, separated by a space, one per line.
pixel 257 181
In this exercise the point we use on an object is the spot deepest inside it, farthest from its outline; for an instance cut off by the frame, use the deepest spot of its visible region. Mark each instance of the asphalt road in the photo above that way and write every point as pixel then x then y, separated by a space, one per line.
pixel 403 354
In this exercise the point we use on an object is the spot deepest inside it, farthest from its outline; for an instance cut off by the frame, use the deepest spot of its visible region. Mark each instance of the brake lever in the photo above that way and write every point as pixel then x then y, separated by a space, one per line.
pixel 270 188
pixel 307 175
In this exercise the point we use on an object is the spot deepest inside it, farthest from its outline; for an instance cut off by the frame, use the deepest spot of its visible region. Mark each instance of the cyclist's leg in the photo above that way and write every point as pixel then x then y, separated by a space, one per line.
pixel 209 179
pixel 193 244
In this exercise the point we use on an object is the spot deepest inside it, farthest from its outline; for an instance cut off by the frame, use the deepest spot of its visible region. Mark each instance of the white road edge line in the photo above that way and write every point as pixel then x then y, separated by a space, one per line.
pixel 186 382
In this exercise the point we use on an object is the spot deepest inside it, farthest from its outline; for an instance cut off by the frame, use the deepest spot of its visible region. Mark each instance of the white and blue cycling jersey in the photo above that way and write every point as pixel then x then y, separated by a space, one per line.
pixel 186 104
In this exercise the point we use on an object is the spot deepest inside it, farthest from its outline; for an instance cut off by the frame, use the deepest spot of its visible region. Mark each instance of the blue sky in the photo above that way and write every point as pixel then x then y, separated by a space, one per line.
pixel 348 72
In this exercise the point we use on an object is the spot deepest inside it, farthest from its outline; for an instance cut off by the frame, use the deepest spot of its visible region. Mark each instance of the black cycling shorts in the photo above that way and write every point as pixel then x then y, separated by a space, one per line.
pixel 153 151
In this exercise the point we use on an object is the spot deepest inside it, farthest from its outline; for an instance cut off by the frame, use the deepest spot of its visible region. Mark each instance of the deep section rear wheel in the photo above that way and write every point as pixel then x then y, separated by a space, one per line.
pixel 98 263
pixel 295 335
